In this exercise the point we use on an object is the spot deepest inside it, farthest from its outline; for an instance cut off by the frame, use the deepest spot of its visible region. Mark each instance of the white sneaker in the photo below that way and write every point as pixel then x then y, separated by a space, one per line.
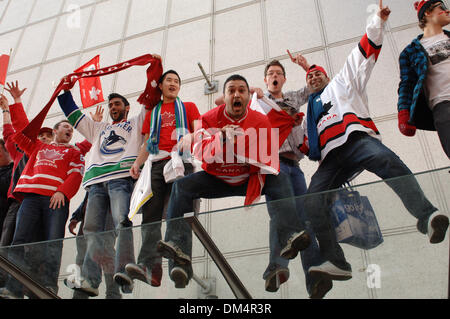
pixel 83 285
pixel 297 242
pixel 437 227
pixel 329 271
pixel 179 277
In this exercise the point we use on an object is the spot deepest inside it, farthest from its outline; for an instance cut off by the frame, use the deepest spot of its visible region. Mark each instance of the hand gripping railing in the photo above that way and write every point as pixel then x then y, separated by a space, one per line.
pixel 37 289
pixel 238 289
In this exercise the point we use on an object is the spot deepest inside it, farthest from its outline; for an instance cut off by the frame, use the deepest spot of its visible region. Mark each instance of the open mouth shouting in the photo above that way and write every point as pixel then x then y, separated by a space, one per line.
pixel 237 106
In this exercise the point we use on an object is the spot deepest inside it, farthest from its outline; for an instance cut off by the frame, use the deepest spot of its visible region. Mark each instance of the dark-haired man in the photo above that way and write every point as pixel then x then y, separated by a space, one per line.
pixel 167 128
pixel 227 144
pixel 424 89
pixel 107 179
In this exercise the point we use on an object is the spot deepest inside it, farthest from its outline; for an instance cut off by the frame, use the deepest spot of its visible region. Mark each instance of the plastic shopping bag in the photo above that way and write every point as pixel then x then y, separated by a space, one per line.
pixel 355 221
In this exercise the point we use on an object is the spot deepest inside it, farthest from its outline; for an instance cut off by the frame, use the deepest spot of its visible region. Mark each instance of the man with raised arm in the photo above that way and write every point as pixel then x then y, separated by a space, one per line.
pixel 345 141
pixel 107 179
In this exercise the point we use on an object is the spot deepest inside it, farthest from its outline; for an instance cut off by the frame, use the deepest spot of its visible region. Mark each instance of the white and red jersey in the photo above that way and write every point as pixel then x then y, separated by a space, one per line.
pixel 344 99
pixel 51 168
pixel 249 159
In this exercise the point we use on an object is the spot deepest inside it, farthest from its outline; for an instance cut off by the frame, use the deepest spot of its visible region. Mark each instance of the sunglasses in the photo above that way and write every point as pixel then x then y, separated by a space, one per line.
pixel 440 5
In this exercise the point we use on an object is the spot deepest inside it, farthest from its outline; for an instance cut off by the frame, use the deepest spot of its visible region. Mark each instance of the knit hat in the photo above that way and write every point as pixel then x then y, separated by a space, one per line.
pixel 316 68
pixel 424 5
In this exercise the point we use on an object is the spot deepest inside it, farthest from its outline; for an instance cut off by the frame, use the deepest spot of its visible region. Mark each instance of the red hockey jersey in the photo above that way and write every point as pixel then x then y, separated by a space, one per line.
pixel 247 159
pixel 51 168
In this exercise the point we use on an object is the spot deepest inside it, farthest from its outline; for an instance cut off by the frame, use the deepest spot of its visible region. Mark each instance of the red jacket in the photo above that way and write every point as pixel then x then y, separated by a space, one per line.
pixel 51 168
pixel 19 120
pixel 251 157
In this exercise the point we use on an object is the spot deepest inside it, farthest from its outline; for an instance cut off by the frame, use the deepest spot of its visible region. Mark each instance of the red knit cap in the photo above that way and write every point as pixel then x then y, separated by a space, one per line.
pixel 424 5
pixel 316 68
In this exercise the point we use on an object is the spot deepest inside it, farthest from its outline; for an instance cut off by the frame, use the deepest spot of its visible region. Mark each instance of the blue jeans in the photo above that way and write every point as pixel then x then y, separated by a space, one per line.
pixel 110 196
pixel 310 256
pixel 360 152
pixel 204 185
pixel 34 212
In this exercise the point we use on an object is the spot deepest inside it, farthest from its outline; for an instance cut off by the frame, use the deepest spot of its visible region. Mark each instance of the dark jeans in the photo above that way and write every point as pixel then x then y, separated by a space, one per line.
pixel 34 212
pixel 152 213
pixel 310 256
pixel 360 152
pixel 9 223
pixel 441 115
pixel 204 185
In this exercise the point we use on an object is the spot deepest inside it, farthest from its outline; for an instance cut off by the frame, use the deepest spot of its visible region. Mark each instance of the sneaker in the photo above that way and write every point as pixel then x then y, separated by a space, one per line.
pixel 320 288
pixel 297 242
pixel 83 286
pixel 6 294
pixel 277 277
pixel 124 281
pixel 156 275
pixel 138 272
pixel 437 227
pixel 171 251
pixel 329 271
pixel 179 276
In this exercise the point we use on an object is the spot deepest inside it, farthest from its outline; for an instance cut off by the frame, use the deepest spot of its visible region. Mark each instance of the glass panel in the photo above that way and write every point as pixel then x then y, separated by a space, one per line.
pixel 32 42
pixel 336 25
pixel 183 10
pixel 405 265
pixel 238 31
pixel 102 30
pixel 70 33
pixel 285 31
pixel 195 36
pixel 44 9
pixel 16 15
pixel 146 15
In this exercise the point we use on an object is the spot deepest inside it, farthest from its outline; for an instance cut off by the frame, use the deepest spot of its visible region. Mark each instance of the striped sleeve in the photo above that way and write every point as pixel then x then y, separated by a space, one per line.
pixel 75 173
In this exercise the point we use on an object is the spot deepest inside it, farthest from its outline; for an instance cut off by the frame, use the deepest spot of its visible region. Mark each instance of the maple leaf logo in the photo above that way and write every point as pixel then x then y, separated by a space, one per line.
pixel 49 156
pixel 167 119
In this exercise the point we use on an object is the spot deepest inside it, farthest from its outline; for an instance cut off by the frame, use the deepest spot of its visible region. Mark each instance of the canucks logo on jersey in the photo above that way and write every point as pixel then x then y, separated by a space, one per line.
pixel 110 143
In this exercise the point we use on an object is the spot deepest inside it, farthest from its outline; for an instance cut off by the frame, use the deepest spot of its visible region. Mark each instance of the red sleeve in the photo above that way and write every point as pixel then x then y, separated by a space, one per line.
pixel 19 118
pixel 25 143
pixel 146 125
pixel 84 146
pixel 192 114
pixel 74 175
pixel 10 146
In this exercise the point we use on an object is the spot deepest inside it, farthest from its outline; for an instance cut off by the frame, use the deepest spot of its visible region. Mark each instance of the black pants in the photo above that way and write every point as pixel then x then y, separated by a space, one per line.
pixel 441 115
pixel 152 213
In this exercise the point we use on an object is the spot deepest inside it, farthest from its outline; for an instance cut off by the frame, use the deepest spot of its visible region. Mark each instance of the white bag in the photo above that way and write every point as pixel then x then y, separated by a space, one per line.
pixel 142 191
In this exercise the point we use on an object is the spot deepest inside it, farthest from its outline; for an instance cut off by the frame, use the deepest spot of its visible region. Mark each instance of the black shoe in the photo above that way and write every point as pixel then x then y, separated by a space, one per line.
pixel 276 278
pixel 320 288
pixel 179 277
